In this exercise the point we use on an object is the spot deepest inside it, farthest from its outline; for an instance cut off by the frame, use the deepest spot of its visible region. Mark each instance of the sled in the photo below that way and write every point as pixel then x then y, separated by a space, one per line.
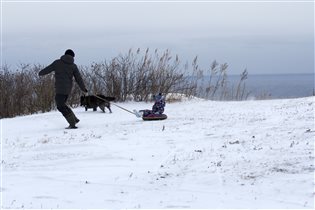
pixel 154 117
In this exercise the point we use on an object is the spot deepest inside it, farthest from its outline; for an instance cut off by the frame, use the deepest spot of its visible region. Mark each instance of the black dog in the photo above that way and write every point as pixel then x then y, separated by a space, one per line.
pixel 100 101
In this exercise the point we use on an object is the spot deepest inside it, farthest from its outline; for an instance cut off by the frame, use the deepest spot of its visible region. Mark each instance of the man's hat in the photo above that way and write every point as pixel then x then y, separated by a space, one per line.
pixel 69 52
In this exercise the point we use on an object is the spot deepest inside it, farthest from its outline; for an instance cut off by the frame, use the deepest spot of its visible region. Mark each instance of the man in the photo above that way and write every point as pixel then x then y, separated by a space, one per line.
pixel 65 69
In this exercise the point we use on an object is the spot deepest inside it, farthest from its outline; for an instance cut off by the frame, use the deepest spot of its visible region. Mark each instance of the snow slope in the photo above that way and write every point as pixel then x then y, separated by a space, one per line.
pixel 252 154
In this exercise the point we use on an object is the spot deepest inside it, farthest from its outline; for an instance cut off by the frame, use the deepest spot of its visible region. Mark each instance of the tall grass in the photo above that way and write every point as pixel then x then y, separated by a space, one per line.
pixel 134 75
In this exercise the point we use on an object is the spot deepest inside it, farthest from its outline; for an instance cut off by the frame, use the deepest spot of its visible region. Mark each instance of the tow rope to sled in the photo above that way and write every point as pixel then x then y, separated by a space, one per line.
pixel 115 105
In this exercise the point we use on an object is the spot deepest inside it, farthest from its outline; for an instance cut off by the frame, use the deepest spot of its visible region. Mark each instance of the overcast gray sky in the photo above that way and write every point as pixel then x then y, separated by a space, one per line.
pixel 264 37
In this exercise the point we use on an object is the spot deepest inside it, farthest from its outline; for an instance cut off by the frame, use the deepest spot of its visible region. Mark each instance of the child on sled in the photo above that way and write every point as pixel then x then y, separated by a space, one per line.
pixel 157 108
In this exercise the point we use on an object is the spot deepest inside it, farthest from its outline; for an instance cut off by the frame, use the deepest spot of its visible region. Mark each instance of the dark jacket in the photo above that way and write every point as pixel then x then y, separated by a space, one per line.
pixel 158 107
pixel 65 70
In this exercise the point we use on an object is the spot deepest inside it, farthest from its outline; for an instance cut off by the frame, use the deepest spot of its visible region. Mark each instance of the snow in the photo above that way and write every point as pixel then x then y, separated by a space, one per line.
pixel 207 154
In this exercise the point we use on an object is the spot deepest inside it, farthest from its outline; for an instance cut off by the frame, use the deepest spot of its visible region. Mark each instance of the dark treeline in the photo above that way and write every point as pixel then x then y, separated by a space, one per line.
pixel 132 76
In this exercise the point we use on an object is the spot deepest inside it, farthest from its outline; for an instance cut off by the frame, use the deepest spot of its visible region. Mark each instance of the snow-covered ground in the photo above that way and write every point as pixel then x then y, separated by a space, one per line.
pixel 251 154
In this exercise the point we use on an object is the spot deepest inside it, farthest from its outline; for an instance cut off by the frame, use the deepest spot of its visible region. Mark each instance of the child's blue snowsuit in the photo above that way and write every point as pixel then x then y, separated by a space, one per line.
pixel 158 107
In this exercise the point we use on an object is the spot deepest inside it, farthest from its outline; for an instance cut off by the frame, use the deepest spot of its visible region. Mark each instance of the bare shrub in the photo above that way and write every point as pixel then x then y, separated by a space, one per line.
pixel 135 75
pixel 22 92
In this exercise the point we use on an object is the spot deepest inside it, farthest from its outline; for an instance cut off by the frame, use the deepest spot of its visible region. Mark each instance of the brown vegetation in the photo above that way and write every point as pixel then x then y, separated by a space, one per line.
pixel 133 76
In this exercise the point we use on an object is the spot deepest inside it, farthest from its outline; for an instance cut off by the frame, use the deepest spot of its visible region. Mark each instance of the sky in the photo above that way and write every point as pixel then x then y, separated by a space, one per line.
pixel 262 36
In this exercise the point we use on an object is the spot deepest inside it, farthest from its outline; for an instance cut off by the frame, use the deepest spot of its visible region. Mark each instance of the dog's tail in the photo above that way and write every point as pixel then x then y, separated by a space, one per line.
pixel 108 98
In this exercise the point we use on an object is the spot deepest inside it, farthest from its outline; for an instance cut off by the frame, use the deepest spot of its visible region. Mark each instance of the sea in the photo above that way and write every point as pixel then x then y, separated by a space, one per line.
pixel 277 86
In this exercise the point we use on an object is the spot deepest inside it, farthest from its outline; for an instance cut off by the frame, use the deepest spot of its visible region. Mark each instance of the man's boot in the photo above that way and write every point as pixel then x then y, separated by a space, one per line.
pixel 75 118
pixel 71 120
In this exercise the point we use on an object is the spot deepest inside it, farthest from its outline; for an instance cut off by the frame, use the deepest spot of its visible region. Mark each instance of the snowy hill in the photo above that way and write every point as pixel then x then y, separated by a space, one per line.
pixel 252 154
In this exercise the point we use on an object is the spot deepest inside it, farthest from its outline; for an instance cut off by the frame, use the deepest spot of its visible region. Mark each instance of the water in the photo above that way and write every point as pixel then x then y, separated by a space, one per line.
pixel 281 85
pixel 276 86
